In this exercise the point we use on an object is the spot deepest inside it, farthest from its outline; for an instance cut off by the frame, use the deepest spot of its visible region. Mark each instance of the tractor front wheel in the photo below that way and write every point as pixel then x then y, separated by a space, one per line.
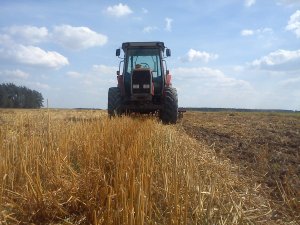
pixel 169 113
pixel 114 106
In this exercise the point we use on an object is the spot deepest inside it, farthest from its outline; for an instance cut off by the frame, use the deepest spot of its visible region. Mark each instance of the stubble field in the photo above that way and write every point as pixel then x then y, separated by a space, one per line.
pixel 79 167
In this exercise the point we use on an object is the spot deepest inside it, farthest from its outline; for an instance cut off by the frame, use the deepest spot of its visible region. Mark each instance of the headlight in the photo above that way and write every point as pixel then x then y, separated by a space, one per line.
pixel 135 86
pixel 146 86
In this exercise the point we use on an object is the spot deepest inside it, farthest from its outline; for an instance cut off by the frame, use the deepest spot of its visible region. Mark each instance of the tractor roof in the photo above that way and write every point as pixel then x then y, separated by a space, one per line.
pixel 157 44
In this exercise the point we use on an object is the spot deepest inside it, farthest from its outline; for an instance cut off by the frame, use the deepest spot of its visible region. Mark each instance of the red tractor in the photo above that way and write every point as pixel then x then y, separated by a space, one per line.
pixel 144 86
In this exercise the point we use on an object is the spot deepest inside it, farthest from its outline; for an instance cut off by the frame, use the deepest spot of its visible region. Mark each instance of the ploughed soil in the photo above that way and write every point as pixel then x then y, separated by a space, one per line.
pixel 265 147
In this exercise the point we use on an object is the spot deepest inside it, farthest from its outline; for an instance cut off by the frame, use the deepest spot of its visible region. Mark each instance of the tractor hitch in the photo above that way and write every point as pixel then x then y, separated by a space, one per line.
pixel 180 112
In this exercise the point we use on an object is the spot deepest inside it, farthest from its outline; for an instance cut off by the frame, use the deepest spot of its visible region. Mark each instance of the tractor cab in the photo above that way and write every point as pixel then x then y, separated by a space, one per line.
pixel 143 69
pixel 144 82
pixel 143 66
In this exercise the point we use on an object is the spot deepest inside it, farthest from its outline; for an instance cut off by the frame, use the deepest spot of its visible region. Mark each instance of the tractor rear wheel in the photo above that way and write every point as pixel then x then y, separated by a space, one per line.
pixel 169 113
pixel 114 106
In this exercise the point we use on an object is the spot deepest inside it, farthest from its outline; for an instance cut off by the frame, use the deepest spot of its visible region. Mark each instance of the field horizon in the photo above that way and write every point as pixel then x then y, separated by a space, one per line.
pixel 209 109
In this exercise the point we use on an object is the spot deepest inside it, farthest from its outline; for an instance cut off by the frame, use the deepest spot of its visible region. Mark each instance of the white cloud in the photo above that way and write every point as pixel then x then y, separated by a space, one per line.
pixel 73 74
pixel 168 26
pixel 294 23
pixel 145 11
pixel 194 55
pixel 78 37
pixel 11 74
pixel 32 55
pixel 100 76
pixel 265 30
pixel 5 40
pixel 70 37
pixel 238 68
pixel 40 85
pixel 291 82
pixel 149 29
pixel 197 72
pixel 208 77
pixel 249 3
pixel 105 70
pixel 288 2
pixel 278 61
pixel 119 10
pixel 12 49
pixel 28 34
pixel 249 32
pixel 208 87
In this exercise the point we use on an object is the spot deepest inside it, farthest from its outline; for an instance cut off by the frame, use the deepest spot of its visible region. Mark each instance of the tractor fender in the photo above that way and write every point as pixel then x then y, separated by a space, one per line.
pixel 168 80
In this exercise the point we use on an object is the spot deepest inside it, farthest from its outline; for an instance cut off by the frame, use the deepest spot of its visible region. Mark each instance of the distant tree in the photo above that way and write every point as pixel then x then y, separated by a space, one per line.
pixel 12 96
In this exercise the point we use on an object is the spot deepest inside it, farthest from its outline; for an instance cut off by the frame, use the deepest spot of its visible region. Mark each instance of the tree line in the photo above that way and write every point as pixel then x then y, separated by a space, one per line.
pixel 12 96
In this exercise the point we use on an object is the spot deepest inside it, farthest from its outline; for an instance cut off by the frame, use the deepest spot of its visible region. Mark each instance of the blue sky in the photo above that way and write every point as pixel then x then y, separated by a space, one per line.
pixel 233 53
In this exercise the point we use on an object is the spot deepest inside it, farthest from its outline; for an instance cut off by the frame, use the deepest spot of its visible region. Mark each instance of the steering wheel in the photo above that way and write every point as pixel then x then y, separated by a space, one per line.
pixel 145 65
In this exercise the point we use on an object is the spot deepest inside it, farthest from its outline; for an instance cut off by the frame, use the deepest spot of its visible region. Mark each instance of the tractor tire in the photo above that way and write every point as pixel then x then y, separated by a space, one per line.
pixel 169 113
pixel 114 106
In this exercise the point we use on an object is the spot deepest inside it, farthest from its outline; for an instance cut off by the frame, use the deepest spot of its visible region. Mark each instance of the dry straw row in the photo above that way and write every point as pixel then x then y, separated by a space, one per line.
pixel 70 167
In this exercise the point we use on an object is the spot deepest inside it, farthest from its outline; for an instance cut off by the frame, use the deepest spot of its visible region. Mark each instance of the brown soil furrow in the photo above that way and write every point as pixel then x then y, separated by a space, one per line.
pixel 265 146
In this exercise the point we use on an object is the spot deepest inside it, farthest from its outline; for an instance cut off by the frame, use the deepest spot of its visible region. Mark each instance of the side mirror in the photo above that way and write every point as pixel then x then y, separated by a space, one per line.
pixel 118 73
pixel 118 52
pixel 168 52
pixel 167 72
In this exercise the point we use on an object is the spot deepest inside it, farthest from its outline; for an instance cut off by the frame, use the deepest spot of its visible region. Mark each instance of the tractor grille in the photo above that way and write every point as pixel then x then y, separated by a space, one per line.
pixel 141 81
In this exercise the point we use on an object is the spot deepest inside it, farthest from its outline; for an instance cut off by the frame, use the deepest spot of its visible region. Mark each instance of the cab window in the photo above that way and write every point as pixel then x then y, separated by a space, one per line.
pixel 144 58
